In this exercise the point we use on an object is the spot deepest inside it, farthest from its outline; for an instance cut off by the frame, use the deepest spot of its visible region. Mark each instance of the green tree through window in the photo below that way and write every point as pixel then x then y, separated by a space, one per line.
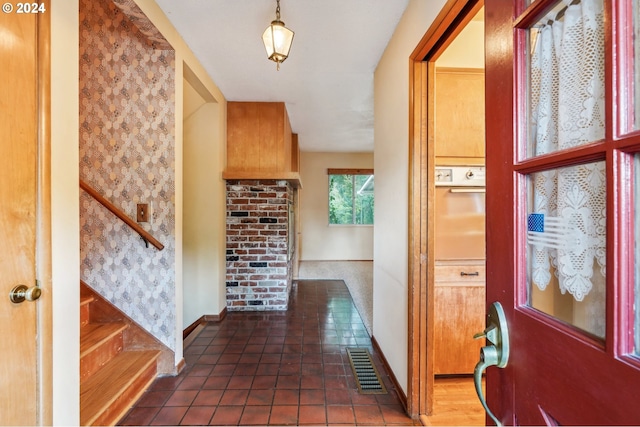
pixel 351 199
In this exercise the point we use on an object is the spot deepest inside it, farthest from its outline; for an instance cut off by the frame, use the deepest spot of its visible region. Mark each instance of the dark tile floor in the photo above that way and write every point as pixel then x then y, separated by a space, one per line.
pixel 275 368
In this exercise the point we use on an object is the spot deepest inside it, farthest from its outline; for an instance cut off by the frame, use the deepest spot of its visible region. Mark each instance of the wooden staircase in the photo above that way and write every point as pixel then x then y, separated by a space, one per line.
pixel 112 378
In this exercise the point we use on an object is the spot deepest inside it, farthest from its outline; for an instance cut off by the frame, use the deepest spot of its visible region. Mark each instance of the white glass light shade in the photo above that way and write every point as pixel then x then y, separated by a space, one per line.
pixel 277 41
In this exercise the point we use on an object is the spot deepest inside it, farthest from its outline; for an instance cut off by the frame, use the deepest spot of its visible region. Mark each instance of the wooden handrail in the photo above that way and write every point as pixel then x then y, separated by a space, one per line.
pixel 146 236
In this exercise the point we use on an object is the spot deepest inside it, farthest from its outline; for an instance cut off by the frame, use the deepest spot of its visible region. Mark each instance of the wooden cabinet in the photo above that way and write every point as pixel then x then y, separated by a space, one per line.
pixel 459 118
pixel 459 314
pixel 295 153
pixel 260 143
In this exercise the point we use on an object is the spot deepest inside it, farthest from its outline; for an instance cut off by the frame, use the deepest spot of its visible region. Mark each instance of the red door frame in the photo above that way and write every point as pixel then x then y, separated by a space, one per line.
pixel 499 88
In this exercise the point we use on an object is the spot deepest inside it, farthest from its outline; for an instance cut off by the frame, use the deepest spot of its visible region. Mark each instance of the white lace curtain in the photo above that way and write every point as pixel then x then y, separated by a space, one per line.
pixel 567 96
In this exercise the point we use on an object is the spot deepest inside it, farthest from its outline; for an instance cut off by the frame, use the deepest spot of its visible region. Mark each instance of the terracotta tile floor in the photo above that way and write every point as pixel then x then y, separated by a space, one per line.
pixel 275 368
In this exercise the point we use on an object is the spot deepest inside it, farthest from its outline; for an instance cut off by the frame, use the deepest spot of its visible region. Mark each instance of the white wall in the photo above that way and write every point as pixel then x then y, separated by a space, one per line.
pixel 318 240
pixel 65 205
pixel 204 213
pixel 390 253
pixel 466 50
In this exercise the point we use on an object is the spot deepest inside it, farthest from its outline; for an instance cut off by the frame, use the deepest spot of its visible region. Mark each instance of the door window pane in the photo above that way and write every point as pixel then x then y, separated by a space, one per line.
pixel 566 235
pixel 566 78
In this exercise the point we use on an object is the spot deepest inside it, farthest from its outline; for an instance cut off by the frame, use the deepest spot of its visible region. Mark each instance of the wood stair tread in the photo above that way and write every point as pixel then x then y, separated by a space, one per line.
pixel 94 334
pixel 101 389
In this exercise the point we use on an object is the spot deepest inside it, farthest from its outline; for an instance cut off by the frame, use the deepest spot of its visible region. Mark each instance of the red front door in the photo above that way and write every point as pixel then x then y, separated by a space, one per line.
pixel 563 114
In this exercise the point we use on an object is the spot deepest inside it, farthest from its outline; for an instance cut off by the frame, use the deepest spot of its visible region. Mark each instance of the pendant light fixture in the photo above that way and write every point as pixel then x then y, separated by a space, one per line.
pixel 277 39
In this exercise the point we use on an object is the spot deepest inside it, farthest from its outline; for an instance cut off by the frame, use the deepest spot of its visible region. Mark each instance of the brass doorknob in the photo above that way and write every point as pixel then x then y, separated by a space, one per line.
pixel 20 293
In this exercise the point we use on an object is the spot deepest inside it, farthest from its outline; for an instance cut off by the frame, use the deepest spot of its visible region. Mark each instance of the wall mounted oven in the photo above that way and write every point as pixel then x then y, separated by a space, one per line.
pixel 460 213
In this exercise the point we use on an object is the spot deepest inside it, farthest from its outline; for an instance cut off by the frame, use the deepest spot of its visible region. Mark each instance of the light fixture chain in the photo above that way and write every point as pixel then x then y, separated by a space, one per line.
pixel 278 10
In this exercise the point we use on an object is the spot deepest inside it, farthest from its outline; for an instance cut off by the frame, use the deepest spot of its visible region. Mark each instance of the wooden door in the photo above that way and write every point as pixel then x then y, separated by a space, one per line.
pixel 24 375
pixel 562 191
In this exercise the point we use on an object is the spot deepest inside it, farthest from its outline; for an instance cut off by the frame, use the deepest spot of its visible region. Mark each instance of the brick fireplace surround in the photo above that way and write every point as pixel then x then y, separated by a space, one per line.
pixel 259 273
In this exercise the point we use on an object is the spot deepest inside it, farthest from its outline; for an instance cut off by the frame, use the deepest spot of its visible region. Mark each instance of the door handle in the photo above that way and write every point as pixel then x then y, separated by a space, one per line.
pixel 21 293
pixel 495 354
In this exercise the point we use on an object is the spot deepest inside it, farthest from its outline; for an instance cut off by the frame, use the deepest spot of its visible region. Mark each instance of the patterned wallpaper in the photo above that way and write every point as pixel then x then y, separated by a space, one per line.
pixel 127 146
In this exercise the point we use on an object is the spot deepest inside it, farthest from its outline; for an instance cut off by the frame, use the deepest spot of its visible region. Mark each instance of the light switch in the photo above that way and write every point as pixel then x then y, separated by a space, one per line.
pixel 142 212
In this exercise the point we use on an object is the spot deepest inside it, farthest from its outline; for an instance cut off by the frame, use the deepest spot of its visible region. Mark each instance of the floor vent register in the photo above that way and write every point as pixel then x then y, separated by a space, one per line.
pixel 366 374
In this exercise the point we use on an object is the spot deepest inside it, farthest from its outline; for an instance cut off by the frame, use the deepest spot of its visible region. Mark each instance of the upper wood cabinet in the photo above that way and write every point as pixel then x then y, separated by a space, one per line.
pixel 259 142
pixel 459 122
pixel 295 153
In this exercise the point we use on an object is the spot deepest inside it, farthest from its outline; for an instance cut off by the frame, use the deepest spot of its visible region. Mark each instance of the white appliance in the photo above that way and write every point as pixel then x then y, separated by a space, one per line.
pixel 460 213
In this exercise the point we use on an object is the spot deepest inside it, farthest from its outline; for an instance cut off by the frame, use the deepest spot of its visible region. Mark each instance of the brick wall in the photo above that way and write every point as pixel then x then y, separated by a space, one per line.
pixel 259 271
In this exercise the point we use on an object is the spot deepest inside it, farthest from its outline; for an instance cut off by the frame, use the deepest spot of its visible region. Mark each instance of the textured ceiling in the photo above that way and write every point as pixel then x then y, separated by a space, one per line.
pixel 327 81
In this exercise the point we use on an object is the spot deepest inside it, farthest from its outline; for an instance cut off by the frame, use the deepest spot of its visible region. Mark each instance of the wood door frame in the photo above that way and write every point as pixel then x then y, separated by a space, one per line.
pixel 454 15
pixel 43 220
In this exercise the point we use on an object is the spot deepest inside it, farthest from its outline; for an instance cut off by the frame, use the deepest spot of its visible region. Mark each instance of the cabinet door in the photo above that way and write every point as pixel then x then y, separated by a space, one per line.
pixel 459 123
pixel 243 136
pixel 258 137
pixel 459 314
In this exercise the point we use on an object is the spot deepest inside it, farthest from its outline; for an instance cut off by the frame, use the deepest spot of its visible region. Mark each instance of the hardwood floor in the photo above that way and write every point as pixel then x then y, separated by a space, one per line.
pixel 455 404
